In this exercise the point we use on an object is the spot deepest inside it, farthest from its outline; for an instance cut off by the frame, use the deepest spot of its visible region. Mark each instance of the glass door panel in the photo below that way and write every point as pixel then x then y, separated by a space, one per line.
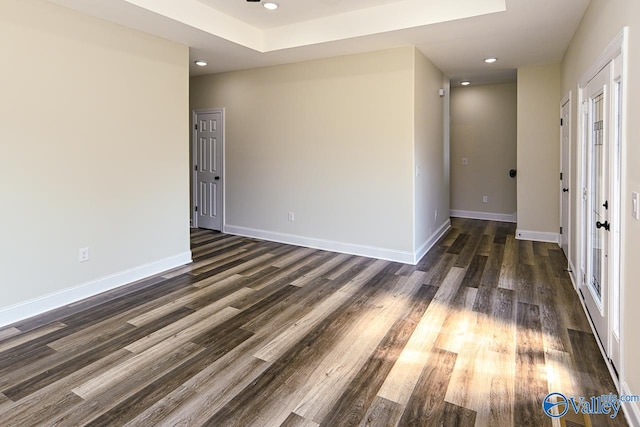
pixel 597 208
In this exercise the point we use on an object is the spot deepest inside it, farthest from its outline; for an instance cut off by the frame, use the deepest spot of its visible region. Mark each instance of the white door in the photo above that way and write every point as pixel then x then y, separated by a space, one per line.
pixel 565 126
pixel 594 287
pixel 208 134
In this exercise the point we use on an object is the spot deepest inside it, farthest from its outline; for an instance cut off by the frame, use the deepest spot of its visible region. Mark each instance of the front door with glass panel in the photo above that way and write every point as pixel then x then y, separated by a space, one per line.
pixel 596 203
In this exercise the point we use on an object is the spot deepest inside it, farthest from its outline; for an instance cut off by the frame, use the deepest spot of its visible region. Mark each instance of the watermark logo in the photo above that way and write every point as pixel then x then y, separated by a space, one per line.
pixel 556 405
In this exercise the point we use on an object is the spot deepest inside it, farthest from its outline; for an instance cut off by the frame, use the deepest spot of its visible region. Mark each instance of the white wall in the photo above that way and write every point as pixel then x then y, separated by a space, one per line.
pixel 331 140
pixel 484 131
pixel 94 154
pixel 539 95
pixel 604 20
pixel 432 184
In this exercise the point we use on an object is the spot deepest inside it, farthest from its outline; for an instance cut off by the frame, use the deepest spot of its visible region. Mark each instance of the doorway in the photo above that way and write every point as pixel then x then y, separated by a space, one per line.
pixel 599 202
pixel 208 163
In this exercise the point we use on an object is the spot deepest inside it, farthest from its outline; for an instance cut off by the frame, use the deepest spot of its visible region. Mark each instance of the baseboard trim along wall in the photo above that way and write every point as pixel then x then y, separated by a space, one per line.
pixel 405 257
pixel 537 236
pixel 426 246
pixel 24 310
pixel 484 215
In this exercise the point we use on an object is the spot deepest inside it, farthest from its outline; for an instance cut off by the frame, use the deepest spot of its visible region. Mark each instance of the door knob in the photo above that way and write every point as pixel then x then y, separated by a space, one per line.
pixel 565 190
pixel 217 178
pixel 604 225
pixel 512 173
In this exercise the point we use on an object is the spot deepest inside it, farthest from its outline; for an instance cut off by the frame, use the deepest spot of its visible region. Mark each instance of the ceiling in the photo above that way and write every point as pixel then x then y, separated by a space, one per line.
pixel 292 11
pixel 456 35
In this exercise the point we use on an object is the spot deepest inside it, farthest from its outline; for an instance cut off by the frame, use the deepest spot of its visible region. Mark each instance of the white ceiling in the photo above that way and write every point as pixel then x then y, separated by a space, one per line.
pixel 454 34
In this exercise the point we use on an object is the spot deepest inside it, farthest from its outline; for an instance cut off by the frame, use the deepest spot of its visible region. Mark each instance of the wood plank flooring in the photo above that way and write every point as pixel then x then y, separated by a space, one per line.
pixel 256 333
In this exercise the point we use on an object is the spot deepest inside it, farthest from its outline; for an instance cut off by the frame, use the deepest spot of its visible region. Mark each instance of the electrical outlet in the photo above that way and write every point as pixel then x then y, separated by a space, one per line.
pixel 83 254
pixel 635 209
pixel 292 216
pixel 485 199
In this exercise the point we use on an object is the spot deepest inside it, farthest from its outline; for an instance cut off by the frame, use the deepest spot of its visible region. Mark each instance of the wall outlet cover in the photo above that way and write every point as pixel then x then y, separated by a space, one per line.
pixel 83 254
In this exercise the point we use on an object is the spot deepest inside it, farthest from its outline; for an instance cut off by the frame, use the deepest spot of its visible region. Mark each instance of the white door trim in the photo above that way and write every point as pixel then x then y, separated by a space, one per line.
pixel 615 48
pixel 618 84
pixel 194 159
pixel 567 99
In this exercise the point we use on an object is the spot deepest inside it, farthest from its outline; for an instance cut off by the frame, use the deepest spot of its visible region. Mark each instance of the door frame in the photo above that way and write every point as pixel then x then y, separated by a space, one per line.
pixel 617 48
pixel 618 86
pixel 194 159
pixel 568 99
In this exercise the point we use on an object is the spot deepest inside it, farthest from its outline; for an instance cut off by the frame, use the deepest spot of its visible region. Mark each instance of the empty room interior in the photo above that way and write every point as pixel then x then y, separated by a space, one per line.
pixel 319 212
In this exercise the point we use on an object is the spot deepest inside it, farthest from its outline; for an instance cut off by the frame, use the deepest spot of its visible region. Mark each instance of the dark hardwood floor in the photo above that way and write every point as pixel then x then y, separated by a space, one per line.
pixel 263 334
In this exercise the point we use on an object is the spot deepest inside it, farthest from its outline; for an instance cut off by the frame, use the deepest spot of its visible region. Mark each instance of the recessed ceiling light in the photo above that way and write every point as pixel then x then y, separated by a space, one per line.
pixel 270 6
pixel 490 60
pixel 201 63
pixel 465 83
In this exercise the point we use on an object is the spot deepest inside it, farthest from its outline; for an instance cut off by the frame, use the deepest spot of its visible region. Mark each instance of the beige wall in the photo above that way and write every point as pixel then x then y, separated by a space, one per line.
pixel 331 140
pixel 602 22
pixel 539 149
pixel 484 130
pixel 432 184
pixel 94 152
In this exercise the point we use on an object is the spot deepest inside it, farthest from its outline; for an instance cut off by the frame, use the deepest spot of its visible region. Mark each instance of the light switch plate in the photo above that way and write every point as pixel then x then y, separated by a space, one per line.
pixel 464 161
pixel 635 209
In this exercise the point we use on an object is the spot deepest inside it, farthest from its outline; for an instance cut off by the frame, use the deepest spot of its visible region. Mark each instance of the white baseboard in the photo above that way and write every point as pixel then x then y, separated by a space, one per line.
pixel 24 310
pixel 422 251
pixel 484 215
pixel 405 257
pixel 537 236
pixel 631 409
